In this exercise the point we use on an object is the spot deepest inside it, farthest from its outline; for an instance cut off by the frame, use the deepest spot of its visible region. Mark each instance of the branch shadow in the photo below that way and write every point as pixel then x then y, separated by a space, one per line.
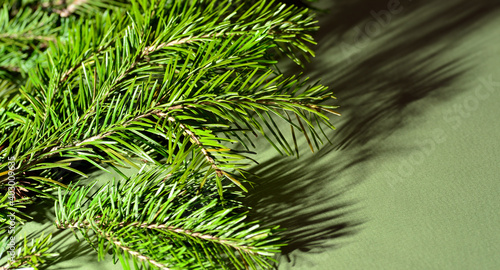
pixel 69 249
pixel 294 195
pixel 380 81
pixel 381 76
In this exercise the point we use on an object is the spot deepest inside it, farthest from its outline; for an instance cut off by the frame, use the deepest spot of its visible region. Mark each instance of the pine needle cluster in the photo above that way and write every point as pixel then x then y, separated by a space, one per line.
pixel 176 89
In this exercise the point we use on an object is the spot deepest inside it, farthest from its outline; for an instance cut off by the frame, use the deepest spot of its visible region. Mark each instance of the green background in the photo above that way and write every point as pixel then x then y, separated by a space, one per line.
pixel 411 180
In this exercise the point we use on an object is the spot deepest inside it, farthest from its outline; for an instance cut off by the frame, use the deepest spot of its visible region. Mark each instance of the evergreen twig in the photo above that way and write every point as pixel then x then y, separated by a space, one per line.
pixel 173 87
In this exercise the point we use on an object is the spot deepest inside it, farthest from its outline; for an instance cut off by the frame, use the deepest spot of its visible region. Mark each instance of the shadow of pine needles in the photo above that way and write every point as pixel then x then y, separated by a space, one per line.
pixel 292 194
pixel 379 80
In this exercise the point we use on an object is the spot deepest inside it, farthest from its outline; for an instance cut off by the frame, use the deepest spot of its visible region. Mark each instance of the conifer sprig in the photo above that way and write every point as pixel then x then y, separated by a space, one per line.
pixel 193 71
pixel 153 220
pixel 169 85
pixel 24 36
pixel 33 253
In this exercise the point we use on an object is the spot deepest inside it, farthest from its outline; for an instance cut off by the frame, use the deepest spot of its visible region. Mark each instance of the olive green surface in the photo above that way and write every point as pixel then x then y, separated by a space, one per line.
pixel 411 180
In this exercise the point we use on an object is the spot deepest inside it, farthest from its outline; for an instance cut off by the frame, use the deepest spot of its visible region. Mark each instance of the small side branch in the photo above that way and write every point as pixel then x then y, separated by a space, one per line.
pixel 27 36
pixel 197 141
pixel 207 237
pixel 109 237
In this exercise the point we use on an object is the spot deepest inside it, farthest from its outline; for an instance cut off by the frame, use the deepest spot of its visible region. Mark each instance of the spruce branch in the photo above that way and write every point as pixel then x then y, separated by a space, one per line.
pixel 29 253
pixel 122 246
pixel 18 30
pixel 24 37
pixel 170 89
pixel 183 222
pixel 197 141
pixel 171 83
pixel 83 225
pixel 228 23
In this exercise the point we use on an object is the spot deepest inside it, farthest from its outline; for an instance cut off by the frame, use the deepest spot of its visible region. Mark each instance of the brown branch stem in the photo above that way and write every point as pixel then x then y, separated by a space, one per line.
pixel 27 36
pixel 20 260
pixel 197 141
pixel 132 252
pixel 208 237
pixel 70 9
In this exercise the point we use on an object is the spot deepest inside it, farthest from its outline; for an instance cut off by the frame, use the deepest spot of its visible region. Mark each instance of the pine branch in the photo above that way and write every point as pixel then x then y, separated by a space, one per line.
pixel 109 237
pixel 205 237
pixel 197 141
pixel 25 34
pixel 31 253
pixel 230 25
pixel 175 218
pixel 174 84
pixel 19 31
pixel 107 86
